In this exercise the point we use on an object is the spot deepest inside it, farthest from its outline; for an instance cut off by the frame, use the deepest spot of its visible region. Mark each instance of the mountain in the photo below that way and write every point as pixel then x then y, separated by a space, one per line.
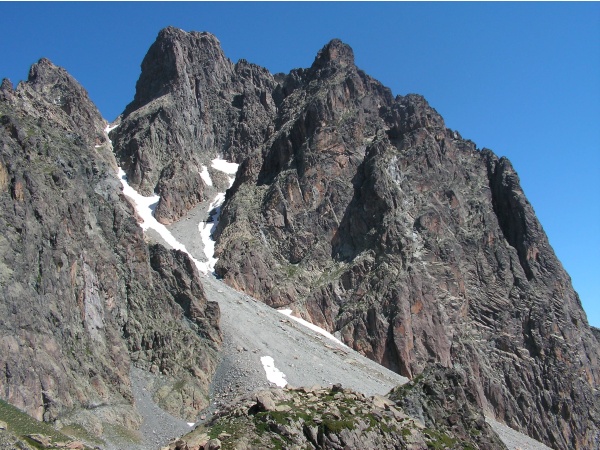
pixel 83 296
pixel 358 210
pixel 367 216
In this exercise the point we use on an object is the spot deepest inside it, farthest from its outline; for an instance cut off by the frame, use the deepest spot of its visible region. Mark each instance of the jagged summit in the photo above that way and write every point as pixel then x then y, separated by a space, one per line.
pixel 359 211
pixel 335 51
pixel 6 85
pixel 38 70
pixel 174 58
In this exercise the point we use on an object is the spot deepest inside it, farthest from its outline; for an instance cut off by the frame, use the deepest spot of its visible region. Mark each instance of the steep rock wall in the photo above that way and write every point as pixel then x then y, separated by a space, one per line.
pixel 370 218
pixel 82 296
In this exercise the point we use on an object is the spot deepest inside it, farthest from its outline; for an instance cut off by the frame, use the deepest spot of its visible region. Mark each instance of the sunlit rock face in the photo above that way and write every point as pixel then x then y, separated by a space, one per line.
pixel 358 210
pixel 82 296
pixel 364 214
pixel 191 105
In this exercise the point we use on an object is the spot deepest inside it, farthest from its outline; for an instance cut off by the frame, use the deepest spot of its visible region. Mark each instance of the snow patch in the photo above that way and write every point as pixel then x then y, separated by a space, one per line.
pixel 274 375
pixel 206 176
pixel 145 207
pixel 206 230
pixel 108 128
pixel 224 166
pixel 288 312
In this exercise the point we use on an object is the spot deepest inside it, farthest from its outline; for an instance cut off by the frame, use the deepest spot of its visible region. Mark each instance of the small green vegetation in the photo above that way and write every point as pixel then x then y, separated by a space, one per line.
pixel 230 429
pixel 122 434
pixel 80 433
pixel 335 426
pixel 438 440
pixel 21 425
pixel 291 270
pixel 385 427
pixel 179 385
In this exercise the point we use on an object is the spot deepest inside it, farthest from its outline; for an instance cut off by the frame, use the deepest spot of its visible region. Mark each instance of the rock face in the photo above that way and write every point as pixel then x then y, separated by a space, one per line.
pixel 335 418
pixel 191 105
pixel 370 218
pixel 358 209
pixel 441 398
pixel 82 295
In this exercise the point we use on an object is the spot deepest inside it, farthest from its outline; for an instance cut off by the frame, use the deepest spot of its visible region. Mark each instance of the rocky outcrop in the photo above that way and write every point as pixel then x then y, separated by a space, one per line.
pixel 441 399
pixel 82 296
pixel 359 210
pixel 337 418
pixel 191 105
pixel 370 218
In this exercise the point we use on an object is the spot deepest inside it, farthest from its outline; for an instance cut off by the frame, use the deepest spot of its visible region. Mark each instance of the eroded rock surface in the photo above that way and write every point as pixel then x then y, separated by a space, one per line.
pixel 82 296
pixel 359 210
pixel 338 418
pixel 367 216
pixel 191 105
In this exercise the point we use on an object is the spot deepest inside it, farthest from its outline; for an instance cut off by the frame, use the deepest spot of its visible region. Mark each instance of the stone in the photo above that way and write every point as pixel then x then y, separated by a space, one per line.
pixel 264 401
pixel 72 254
pixel 339 427
pixel 213 444
pixel 76 445
pixel 382 402
pixel 40 439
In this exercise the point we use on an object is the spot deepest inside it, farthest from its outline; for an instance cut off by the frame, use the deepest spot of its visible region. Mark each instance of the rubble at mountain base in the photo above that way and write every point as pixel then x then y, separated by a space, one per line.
pixel 337 418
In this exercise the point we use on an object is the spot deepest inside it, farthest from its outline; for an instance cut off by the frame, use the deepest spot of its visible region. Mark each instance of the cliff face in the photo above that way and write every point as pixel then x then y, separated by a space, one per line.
pixel 370 218
pixel 358 209
pixel 82 295
pixel 191 105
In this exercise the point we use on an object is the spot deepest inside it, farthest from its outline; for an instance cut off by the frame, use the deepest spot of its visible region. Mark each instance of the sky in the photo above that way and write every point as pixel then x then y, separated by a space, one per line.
pixel 522 79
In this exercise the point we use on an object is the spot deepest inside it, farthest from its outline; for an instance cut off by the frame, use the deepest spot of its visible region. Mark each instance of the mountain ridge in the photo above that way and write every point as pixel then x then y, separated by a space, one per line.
pixel 77 274
pixel 359 210
pixel 352 185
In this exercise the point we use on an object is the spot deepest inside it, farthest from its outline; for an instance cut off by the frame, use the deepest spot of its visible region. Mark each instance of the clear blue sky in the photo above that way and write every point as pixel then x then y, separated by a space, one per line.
pixel 520 78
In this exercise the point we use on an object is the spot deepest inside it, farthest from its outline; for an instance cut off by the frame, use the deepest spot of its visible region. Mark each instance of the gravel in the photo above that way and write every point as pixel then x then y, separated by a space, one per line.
pixel 513 439
pixel 252 330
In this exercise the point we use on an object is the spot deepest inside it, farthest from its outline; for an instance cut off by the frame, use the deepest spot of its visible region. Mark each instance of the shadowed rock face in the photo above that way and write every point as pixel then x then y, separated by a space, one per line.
pixel 370 218
pixel 82 296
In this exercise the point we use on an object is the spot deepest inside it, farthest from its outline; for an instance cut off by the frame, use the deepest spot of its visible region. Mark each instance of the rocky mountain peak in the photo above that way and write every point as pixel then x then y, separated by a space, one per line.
pixel 174 60
pixel 359 211
pixel 52 91
pixel 6 85
pixel 45 75
pixel 335 51
pixel 40 70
